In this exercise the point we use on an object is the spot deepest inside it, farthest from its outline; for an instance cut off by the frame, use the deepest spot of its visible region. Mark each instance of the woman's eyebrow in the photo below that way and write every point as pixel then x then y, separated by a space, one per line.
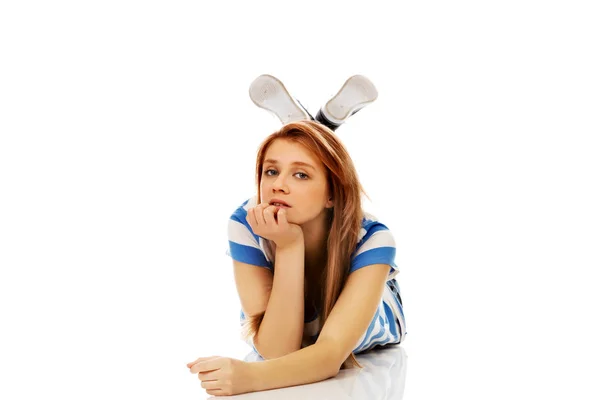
pixel 300 163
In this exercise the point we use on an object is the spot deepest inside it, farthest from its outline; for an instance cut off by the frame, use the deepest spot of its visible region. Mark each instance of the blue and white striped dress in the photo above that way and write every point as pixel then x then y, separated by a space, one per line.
pixel 375 245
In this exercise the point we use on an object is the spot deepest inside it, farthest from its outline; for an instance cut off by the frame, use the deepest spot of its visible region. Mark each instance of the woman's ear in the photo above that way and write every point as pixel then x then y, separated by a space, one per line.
pixel 329 203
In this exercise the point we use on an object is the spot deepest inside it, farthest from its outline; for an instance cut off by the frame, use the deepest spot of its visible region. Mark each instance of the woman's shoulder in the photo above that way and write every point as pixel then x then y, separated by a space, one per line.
pixel 244 245
pixel 239 214
pixel 370 223
pixel 374 230
pixel 376 245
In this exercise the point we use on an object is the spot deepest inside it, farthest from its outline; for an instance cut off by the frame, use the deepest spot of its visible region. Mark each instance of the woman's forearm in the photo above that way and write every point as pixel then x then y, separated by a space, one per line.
pixel 314 363
pixel 281 329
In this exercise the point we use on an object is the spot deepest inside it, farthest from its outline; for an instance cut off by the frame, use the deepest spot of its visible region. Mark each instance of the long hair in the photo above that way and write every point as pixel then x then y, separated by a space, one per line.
pixel 345 218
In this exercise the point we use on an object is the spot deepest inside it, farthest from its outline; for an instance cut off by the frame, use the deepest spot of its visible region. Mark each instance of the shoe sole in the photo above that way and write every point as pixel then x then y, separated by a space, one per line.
pixel 269 93
pixel 357 90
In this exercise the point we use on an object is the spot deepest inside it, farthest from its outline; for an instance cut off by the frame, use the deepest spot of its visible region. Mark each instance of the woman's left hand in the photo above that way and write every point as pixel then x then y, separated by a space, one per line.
pixel 223 376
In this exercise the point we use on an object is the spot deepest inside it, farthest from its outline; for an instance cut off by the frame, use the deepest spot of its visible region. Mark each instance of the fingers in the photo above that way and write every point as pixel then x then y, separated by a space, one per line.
pixel 262 215
pixel 255 215
pixel 216 392
pixel 206 365
pixel 251 218
pixel 211 385
pixel 209 376
pixel 195 361
pixel 269 214
pixel 200 359
pixel 282 218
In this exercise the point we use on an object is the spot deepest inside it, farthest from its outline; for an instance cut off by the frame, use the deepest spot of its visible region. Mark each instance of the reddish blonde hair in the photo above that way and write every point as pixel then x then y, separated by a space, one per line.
pixel 345 218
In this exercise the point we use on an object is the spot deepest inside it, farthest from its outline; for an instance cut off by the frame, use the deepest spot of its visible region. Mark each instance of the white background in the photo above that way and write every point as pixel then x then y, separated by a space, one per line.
pixel 127 138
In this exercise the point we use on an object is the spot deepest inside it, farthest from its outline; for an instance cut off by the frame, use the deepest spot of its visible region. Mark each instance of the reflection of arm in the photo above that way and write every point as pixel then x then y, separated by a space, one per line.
pixel 281 329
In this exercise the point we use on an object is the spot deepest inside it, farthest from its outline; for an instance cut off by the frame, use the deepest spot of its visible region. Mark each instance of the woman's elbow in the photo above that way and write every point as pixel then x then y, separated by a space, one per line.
pixel 269 353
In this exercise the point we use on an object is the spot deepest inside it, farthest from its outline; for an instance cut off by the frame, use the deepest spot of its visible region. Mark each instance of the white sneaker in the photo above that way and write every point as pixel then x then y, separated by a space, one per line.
pixel 356 93
pixel 269 93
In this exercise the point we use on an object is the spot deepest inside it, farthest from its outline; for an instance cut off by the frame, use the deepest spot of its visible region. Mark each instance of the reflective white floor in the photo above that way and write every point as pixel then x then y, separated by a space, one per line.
pixel 383 377
pixel 127 138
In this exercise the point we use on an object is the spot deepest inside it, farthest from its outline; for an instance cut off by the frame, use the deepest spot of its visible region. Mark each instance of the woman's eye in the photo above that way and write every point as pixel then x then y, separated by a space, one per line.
pixel 301 175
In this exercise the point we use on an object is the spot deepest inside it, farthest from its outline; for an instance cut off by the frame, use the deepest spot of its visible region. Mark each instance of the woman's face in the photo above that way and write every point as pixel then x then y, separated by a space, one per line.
pixel 291 173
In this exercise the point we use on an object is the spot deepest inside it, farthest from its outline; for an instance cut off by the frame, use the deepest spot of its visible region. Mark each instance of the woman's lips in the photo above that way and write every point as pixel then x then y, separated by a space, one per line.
pixel 280 204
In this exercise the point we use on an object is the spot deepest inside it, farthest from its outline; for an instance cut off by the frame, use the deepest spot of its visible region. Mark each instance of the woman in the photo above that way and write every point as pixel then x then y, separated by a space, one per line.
pixel 315 274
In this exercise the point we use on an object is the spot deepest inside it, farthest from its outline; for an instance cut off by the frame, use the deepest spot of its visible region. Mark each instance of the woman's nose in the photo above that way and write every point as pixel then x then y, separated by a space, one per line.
pixel 280 184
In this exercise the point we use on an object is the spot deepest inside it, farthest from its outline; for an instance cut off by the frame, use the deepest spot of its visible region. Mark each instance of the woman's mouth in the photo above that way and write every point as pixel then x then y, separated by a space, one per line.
pixel 279 203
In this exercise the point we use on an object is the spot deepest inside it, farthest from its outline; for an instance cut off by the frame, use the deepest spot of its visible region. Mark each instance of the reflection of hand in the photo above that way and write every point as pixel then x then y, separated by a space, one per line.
pixel 223 376
pixel 270 222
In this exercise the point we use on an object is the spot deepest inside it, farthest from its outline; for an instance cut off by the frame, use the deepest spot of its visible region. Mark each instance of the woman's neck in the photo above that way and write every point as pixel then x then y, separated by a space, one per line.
pixel 315 245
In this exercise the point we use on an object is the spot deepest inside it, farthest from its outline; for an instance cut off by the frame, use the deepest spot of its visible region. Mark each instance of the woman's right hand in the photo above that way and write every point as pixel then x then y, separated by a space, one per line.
pixel 262 220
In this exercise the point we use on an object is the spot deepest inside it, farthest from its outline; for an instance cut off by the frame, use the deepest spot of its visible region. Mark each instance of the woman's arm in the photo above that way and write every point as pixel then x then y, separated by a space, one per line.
pixel 311 364
pixel 347 323
pixel 281 329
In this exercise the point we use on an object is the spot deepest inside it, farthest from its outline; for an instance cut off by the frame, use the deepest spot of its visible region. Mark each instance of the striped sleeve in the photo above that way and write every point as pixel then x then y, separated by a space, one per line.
pixel 377 246
pixel 243 243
